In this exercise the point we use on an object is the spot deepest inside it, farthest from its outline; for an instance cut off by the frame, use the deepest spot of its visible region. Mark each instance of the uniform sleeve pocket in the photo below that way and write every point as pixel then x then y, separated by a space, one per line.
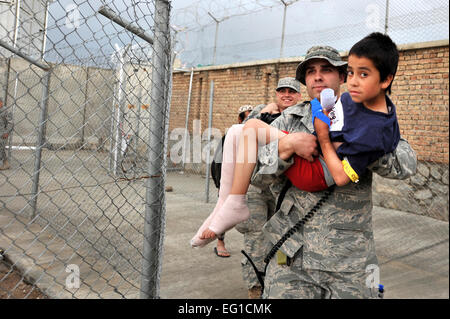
pixel 286 206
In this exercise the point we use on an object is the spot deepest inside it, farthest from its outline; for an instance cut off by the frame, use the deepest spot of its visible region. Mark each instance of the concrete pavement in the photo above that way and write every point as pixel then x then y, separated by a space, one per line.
pixel 413 252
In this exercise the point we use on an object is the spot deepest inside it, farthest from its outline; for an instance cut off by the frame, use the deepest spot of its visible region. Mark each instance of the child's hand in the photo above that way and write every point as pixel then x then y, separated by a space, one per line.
pixel 317 112
pixel 208 234
pixel 320 127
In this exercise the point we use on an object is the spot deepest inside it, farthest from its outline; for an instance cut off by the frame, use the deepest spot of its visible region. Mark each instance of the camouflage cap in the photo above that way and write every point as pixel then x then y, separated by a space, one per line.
pixel 245 108
pixel 289 83
pixel 320 52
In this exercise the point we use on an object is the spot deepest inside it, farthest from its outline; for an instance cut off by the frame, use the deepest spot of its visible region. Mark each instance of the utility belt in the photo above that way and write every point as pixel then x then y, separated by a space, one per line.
pixel 283 259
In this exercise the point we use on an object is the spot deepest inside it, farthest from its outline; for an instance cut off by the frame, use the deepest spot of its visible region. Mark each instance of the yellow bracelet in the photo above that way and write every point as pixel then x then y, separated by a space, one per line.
pixel 350 171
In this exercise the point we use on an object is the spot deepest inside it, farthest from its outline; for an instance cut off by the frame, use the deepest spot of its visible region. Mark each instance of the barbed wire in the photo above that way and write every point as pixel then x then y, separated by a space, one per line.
pixel 206 29
pixel 198 15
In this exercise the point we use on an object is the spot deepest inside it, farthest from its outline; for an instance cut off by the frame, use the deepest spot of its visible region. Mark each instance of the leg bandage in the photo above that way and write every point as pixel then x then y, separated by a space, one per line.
pixel 233 211
pixel 230 146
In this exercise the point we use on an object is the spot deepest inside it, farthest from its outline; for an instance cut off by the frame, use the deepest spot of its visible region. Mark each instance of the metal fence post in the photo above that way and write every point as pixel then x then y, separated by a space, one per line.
pixel 10 137
pixel 40 142
pixel 42 120
pixel 15 35
pixel 119 108
pixel 386 18
pixel 186 123
pixel 155 199
pixel 211 100
pixel 283 28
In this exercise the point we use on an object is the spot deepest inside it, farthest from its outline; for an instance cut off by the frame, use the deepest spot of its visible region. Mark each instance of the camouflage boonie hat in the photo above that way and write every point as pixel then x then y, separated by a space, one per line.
pixel 321 52
pixel 289 83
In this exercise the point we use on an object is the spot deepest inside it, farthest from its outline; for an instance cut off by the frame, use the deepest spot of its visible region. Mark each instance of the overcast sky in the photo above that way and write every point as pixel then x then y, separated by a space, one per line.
pixel 339 23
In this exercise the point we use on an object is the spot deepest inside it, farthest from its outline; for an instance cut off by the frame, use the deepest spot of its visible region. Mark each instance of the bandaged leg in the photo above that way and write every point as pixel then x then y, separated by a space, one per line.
pixel 196 241
pixel 230 149
pixel 233 212
pixel 230 146
pixel 234 209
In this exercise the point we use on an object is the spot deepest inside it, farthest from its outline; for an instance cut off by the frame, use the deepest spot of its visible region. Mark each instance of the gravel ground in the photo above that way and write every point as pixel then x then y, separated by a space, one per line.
pixel 13 286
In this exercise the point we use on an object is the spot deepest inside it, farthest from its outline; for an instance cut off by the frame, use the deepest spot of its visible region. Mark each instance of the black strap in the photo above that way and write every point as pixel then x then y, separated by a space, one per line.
pixel 283 192
pixel 298 225
pixel 261 274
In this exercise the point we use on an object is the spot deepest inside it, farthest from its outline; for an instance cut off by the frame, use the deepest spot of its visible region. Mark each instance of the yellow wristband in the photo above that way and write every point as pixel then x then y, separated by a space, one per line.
pixel 349 171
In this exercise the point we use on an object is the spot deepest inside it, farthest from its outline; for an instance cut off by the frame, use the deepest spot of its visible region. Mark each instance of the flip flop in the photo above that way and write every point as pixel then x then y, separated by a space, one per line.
pixel 221 251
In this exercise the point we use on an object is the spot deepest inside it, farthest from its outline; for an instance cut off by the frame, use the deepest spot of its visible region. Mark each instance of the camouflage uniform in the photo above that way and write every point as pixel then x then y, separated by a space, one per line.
pixel 261 204
pixel 328 257
pixel 6 126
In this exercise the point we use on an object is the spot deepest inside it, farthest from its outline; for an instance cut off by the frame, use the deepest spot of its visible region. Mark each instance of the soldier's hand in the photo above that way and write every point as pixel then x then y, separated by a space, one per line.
pixel 302 144
pixel 4 136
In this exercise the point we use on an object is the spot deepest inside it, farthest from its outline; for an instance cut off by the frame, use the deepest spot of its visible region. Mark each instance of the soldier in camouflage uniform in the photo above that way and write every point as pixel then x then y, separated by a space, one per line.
pixel 331 255
pixel 260 202
pixel 6 126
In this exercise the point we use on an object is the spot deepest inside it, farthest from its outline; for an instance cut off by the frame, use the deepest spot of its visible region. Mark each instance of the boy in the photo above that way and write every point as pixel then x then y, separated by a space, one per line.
pixel 216 169
pixel 287 94
pixel 363 128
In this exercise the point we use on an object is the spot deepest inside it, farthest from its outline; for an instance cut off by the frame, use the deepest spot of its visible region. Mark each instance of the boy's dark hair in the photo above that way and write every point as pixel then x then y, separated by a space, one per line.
pixel 382 51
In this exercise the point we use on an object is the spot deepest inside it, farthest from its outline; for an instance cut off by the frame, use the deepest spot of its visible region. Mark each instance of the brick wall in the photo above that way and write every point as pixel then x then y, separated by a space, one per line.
pixel 421 95
pixel 420 92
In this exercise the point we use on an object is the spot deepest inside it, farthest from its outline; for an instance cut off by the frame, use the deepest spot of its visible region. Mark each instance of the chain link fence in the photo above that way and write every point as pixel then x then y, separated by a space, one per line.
pixel 87 87
pixel 237 49
pixel 214 32
pixel 209 33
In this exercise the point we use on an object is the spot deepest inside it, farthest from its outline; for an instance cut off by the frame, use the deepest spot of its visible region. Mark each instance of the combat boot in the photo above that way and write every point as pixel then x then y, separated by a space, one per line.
pixel 255 292
pixel 5 165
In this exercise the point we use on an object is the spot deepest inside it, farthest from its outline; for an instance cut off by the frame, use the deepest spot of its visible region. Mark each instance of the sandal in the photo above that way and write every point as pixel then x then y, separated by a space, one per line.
pixel 221 252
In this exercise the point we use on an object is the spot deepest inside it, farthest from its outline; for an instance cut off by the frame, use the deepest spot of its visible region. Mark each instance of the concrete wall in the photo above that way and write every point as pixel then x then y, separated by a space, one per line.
pixel 66 104
pixel 23 98
pixel 81 103
pixel 69 98
pixel 99 103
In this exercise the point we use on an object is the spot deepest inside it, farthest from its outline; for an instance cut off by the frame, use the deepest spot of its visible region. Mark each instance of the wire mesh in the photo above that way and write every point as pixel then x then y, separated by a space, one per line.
pixel 243 31
pixel 87 163
pixel 73 201
pixel 410 217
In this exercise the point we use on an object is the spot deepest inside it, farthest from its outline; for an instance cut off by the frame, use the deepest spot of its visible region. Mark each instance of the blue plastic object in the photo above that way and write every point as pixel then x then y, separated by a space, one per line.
pixel 316 109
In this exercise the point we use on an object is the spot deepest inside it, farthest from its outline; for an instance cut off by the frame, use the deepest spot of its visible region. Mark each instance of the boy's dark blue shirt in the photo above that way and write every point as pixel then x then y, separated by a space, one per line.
pixel 366 135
